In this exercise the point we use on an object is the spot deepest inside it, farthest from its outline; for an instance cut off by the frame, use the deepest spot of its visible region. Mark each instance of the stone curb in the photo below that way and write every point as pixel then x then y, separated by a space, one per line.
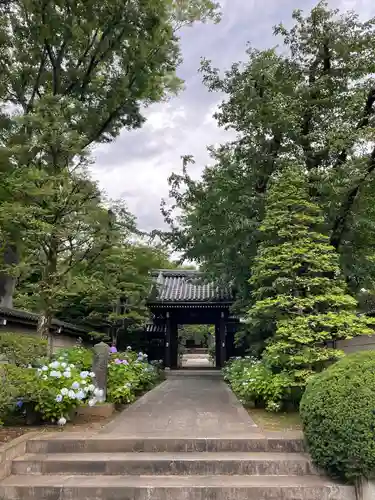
pixel 14 449
pixel 365 490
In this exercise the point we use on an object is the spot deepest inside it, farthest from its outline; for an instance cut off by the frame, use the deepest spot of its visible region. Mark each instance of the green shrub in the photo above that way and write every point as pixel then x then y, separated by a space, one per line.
pixel 80 357
pixel 22 350
pixel 129 374
pixel 253 382
pixel 338 415
pixel 63 388
pixel 53 391
pixel 19 387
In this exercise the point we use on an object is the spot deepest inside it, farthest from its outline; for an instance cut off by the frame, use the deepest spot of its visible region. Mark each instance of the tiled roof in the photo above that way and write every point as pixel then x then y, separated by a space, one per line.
pixel 18 314
pixel 187 286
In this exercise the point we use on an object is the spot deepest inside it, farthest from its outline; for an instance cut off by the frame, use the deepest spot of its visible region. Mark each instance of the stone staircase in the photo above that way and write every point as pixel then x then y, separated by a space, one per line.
pixel 111 467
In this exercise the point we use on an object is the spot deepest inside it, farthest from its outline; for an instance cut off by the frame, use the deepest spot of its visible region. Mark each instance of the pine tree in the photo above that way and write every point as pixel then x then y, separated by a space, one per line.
pixel 301 298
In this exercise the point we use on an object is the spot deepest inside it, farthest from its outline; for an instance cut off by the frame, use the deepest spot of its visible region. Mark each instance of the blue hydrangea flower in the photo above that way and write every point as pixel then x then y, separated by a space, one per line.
pixel 80 395
pixel 84 374
pixel 59 398
pixel 75 385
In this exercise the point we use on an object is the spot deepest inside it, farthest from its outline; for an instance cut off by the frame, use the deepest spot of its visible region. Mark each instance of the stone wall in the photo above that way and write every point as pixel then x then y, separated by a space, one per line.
pixel 56 341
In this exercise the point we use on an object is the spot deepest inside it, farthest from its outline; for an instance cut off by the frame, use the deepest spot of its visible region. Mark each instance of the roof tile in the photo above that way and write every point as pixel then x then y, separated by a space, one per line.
pixel 187 286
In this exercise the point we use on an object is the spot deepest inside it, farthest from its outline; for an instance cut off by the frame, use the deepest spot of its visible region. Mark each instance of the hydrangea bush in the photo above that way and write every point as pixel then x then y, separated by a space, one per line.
pixel 254 383
pixel 79 356
pixel 63 388
pixel 55 388
pixel 129 374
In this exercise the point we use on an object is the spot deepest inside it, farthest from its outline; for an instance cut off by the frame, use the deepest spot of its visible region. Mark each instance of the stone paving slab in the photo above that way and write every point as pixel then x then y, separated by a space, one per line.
pixel 198 406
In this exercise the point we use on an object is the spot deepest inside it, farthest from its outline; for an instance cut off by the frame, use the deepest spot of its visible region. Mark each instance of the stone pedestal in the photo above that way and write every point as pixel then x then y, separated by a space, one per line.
pixel 100 368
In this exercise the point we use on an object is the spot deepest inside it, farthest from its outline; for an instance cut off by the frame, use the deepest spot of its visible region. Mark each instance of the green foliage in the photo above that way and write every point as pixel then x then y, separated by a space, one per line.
pixel 21 349
pixel 254 383
pixel 116 286
pixel 338 415
pixel 129 374
pixel 19 386
pixel 63 387
pixel 301 300
pixel 80 357
pixel 90 70
pixel 310 101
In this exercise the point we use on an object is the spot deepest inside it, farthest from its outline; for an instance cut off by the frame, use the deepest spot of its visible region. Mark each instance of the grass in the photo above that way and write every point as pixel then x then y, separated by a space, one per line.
pixel 268 421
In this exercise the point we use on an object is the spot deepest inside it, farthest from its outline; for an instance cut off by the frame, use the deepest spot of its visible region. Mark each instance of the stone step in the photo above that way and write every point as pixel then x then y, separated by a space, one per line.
pixel 71 443
pixel 166 464
pixel 195 355
pixel 172 488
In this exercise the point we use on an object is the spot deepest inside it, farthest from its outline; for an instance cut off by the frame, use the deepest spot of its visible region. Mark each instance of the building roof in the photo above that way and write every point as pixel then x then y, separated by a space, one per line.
pixel 187 287
pixel 32 319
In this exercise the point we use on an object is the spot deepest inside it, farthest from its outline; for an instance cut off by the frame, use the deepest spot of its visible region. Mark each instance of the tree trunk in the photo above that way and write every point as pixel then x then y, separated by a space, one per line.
pixel 8 283
pixel 44 323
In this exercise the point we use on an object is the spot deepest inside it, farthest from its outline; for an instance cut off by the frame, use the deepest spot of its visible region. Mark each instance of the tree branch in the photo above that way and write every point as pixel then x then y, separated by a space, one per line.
pixel 43 58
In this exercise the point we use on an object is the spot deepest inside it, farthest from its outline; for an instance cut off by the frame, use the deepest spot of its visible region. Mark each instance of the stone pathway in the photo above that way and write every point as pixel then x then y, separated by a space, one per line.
pixel 188 439
pixel 197 361
pixel 189 404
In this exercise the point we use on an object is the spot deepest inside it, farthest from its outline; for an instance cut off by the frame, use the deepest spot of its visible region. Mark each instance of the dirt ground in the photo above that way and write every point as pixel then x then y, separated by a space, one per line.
pixel 7 433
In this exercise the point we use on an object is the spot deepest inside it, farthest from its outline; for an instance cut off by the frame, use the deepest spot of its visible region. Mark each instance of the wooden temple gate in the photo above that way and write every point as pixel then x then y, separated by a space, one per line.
pixel 181 297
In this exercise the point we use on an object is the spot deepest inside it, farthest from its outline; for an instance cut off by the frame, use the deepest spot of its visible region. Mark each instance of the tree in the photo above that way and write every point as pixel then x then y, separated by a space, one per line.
pixel 68 225
pixel 118 285
pixel 302 305
pixel 313 103
pixel 95 65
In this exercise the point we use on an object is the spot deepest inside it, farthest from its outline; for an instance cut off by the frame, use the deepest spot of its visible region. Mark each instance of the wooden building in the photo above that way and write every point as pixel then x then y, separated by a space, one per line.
pixel 180 297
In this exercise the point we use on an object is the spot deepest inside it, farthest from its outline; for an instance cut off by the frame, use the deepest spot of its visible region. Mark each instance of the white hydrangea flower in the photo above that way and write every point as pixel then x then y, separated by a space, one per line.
pixel 64 365
pixel 72 394
pixel 61 421
pixel 55 364
pixel 75 385
pixel 84 374
pixel 64 391
pixel 92 402
pixel 92 374
pixel 67 374
pixel 91 387
pixel 45 368
pixel 99 393
pixel 80 395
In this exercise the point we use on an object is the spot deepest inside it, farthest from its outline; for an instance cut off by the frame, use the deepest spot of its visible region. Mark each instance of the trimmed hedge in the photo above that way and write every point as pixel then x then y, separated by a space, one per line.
pixel 22 349
pixel 338 415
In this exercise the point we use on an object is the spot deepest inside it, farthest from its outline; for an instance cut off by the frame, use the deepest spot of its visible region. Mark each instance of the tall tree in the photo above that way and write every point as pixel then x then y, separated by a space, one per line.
pixel 95 65
pixel 312 103
pixel 302 305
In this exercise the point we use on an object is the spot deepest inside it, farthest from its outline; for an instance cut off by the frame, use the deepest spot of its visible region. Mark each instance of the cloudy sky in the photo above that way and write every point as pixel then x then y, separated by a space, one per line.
pixel 136 166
